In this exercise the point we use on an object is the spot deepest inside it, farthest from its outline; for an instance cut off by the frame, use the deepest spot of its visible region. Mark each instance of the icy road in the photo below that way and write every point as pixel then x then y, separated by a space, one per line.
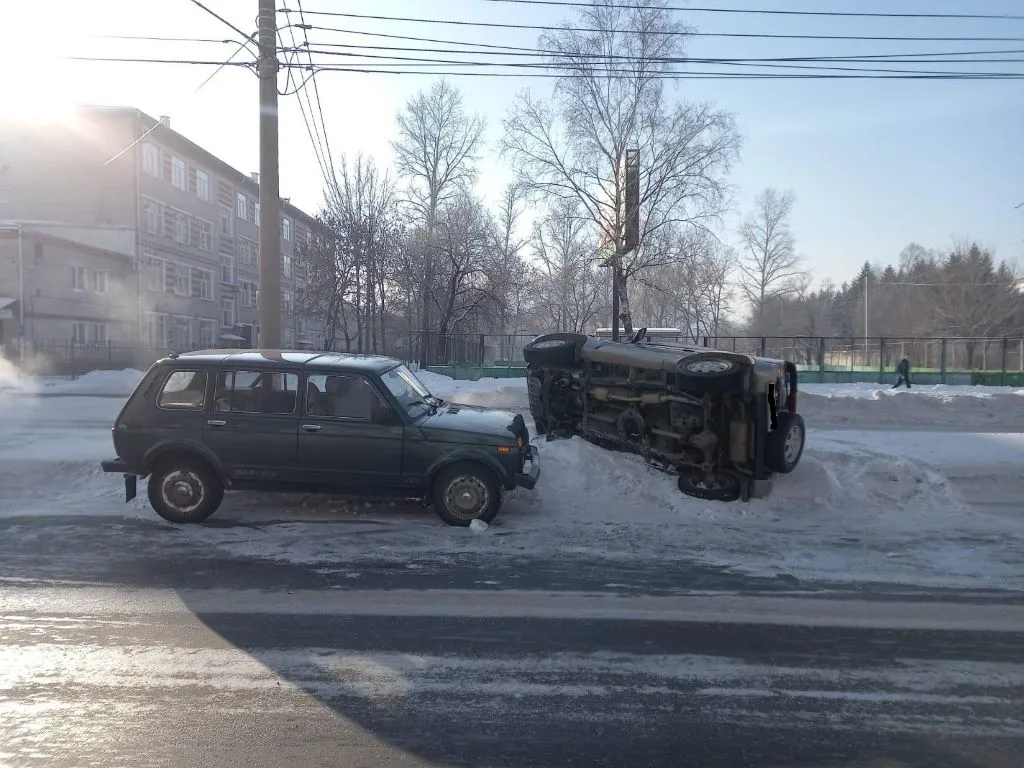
pixel 869 613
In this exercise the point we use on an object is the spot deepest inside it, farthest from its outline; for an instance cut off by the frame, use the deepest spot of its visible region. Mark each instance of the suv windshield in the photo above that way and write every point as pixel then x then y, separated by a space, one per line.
pixel 409 391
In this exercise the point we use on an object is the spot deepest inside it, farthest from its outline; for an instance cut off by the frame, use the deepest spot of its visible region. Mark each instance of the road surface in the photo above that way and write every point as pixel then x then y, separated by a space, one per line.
pixel 115 654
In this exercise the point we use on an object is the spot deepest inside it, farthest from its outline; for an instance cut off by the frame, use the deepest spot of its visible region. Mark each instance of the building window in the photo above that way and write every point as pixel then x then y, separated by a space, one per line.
pixel 248 251
pixel 247 296
pixel 206 331
pixel 227 312
pixel 153 212
pixel 289 338
pixel 300 326
pixel 179 175
pixel 256 217
pixel 180 219
pixel 226 226
pixel 202 283
pixel 287 301
pixel 151 159
pixel 227 270
pixel 286 228
pixel 78 333
pixel 153 274
pixel 286 264
pixel 181 332
pixel 98 333
pixel 178 280
pixel 156 329
pixel 205 230
pixel 93 280
pixel 203 185
pixel 242 207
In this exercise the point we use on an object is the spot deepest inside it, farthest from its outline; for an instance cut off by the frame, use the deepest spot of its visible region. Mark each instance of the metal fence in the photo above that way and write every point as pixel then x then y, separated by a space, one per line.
pixel 933 360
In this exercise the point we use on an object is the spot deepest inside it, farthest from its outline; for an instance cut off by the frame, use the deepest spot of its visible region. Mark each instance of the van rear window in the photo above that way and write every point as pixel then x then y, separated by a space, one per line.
pixel 184 390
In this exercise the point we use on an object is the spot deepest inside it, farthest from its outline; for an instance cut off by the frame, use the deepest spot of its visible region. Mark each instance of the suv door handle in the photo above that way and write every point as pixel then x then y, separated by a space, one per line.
pixel 311 427
pixel 216 422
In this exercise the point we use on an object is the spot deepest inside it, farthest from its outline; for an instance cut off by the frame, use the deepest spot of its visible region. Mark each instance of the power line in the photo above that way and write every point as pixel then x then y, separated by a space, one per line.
pixel 220 18
pixel 543 28
pixel 195 90
pixel 868 75
pixel 312 129
pixel 569 66
pixel 911 58
pixel 769 12
pixel 162 39
pixel 132 60
pixel 319 105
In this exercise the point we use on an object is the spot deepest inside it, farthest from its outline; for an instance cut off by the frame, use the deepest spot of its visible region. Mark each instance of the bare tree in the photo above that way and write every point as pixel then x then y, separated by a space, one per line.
pixel 568 288
pixel 691 290
pixel 436 152
pixel 330 275
pixel 769 264
pixel 610 97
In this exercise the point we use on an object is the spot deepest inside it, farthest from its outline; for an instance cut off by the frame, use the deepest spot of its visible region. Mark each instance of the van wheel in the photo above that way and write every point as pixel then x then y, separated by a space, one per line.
pixel 725 487
pixel 785 445
pixel 183 489
pixel 554 350
pixel 465 492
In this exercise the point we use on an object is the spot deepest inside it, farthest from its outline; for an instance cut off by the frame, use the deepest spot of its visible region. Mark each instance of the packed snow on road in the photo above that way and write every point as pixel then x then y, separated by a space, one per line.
pixel 919 487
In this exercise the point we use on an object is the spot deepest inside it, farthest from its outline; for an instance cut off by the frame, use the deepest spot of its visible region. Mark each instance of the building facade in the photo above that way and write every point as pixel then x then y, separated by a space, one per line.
pixel 191 275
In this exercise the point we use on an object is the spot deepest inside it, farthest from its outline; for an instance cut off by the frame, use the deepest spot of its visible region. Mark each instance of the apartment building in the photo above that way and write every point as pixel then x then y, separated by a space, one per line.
pixel 194 273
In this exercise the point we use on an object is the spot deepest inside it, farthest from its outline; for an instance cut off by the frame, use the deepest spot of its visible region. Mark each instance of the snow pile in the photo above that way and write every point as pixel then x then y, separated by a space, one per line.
pixel 871 504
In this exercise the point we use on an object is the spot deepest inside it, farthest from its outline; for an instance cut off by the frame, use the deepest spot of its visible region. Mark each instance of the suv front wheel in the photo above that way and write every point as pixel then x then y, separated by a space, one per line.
pixel 465 492
pixel 183 489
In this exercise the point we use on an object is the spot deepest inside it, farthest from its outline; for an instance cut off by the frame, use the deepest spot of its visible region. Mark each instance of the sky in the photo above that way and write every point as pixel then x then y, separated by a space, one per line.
pixel 873 164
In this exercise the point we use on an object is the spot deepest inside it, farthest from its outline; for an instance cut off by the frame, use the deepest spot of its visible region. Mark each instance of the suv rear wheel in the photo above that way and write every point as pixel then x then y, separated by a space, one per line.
pixel 465 492
pixel 554 350
pixel 785 445
pixel 184 489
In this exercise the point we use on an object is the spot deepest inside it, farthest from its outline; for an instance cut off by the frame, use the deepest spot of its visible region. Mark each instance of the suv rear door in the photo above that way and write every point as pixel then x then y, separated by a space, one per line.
pixel 250 425
pixel 349 436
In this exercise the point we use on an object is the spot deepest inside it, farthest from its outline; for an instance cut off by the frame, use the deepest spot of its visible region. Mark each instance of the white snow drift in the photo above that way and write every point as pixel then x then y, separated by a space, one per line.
pixel 881 495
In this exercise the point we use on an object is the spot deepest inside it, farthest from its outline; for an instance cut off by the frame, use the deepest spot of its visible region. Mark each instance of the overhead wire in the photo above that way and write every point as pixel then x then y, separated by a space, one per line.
pixel 500 25
pixel 317 138
pixel 767 11
pixel 746 35
pixel 319 105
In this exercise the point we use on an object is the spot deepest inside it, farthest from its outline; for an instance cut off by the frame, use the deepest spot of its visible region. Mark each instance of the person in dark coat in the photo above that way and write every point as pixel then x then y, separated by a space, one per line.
pixel 902 373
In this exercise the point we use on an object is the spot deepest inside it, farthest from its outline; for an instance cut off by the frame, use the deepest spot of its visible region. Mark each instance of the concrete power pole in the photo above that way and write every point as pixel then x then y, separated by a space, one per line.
pixel 270 215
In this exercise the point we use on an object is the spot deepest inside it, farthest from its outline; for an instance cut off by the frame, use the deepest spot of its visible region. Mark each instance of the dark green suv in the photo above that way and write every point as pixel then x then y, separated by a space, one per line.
pixel 201 423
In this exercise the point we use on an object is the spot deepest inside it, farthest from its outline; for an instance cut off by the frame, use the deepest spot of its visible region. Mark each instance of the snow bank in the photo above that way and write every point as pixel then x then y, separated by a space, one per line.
pixel 866 504
pixel 99 383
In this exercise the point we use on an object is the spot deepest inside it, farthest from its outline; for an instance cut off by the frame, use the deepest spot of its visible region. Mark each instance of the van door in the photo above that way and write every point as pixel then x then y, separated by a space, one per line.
pixel 251 424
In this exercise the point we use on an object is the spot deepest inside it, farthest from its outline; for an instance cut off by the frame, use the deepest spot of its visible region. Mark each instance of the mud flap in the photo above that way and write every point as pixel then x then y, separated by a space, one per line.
pixel 131 487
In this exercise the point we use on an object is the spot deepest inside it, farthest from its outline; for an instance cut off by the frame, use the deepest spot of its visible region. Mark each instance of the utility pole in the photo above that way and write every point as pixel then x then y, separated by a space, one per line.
pixel 270 215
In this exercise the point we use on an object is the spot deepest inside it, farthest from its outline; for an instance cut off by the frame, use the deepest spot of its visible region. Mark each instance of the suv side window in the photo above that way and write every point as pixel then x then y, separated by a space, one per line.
pixel 342 396
pixel 185 390
pixel 256 392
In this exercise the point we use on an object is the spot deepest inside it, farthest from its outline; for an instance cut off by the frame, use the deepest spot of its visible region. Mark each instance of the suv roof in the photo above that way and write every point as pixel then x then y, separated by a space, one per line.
pixel 286 357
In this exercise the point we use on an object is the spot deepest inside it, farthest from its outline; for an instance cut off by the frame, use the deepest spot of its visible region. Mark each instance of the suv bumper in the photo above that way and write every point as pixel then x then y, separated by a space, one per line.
pixel 528 480
pixel 131 484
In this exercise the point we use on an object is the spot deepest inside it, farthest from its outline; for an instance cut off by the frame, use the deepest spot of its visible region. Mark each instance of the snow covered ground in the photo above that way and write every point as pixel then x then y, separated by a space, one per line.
pixel 917 487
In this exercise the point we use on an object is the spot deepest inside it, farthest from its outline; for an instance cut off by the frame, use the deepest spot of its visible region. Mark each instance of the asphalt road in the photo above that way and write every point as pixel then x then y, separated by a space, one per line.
pixel 117 651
